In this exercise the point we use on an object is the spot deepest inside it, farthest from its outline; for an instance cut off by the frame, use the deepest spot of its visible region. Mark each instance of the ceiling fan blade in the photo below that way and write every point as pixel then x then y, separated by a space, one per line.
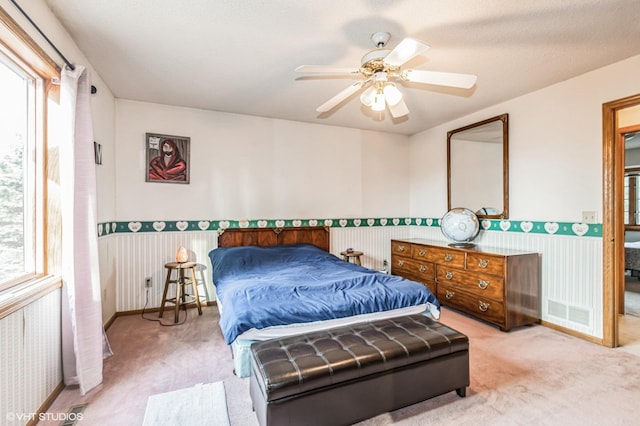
pixel 464 81
pixel 326 70
pixel 344 94
pixel 398 110
pixel 408 49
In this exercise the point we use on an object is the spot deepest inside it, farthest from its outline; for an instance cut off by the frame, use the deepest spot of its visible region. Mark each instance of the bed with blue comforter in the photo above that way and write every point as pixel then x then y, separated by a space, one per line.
pixel 262 287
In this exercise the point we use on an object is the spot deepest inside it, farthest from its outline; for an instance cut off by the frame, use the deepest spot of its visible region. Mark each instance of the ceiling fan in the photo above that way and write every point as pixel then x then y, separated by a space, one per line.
pixel 380 68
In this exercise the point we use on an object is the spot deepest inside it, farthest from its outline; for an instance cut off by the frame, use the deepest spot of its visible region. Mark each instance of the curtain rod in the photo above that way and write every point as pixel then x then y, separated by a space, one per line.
pixel 66 61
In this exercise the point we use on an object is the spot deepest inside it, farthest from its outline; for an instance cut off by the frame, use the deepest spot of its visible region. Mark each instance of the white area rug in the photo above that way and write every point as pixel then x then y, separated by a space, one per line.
pixel 198 405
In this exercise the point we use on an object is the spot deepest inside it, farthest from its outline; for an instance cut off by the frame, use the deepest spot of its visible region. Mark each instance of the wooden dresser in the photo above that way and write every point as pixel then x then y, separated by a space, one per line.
pixel 500 286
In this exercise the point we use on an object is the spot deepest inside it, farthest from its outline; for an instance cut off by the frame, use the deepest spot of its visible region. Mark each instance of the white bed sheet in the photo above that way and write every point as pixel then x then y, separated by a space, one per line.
pixel 278 331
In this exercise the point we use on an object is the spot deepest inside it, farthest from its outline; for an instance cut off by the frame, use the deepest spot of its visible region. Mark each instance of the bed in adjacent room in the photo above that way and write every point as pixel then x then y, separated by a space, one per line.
pixel 632 257
pixel 272 283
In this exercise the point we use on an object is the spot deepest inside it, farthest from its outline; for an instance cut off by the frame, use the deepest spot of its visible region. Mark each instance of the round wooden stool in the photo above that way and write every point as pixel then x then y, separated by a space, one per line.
pixel 182 297
pixel 355 255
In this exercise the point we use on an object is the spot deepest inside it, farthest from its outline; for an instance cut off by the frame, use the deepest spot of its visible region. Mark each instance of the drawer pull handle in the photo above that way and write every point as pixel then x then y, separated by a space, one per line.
pixel 483 284
pixel 448 275
pixel 449 294
pixel 448 257
pixel 422 252
pixel 422 268
pixel 400 263
pixel 483 306
pixel 483 263
pixel 401 248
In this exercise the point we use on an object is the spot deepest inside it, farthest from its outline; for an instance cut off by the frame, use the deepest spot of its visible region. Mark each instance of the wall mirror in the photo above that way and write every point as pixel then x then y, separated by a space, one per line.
pixel 478 167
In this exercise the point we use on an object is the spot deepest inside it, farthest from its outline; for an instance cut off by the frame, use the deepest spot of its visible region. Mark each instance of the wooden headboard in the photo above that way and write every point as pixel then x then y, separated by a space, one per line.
pixel 264 237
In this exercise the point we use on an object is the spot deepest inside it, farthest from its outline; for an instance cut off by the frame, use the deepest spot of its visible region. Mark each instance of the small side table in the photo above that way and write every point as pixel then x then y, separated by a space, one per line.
pixel 182 297
pixel 355 255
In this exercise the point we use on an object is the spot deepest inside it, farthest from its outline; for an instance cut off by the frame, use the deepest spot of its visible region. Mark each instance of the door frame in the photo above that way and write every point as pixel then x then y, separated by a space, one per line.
pixel 612 215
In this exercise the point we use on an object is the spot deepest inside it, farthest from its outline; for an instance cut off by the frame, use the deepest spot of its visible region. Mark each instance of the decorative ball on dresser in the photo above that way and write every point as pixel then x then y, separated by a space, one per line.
pixel 460 225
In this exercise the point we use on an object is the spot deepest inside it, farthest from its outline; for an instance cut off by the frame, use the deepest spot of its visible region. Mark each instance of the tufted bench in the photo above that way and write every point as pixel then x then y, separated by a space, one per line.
pixel 351 373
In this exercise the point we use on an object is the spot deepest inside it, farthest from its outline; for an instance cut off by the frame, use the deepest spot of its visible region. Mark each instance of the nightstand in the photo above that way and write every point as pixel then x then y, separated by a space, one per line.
pixel 182 298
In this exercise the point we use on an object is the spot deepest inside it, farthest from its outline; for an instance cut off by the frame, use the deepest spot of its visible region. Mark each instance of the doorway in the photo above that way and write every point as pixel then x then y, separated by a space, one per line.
pixel 613 216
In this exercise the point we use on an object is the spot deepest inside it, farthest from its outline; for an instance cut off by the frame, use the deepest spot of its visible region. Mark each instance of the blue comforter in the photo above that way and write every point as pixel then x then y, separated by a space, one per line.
pixel 259 287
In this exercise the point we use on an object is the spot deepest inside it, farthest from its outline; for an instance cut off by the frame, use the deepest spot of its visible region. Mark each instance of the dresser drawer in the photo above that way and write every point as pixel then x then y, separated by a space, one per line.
pixel 424 271
pixel 419 252
pixel 431 285
pixel 484 285
pixel 452 258
pixel 483 308
pixel 485 263
pixel 400 248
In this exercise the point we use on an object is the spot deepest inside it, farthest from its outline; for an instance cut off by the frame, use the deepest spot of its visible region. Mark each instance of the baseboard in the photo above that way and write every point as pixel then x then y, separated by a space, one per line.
pixel 573 333
pixel 46 404
pixel 110 321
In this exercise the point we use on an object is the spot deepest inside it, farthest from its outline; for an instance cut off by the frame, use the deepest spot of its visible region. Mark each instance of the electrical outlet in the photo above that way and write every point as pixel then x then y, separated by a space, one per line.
pixel 147 282
pixel 589 217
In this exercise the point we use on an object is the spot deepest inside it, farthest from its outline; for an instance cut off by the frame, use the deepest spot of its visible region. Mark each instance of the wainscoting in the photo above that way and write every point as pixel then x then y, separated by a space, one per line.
pixel 144 255
pixel 571 265
pixel 30 359
pixel 571 275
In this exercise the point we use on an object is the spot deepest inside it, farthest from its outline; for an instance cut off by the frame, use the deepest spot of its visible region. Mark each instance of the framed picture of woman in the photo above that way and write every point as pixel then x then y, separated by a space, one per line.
pixel 167 158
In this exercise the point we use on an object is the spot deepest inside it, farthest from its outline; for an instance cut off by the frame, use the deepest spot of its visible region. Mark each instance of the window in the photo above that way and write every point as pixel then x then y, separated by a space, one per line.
pixel 18 237
pixel 26 97
pixel 632 180
pixel 632 199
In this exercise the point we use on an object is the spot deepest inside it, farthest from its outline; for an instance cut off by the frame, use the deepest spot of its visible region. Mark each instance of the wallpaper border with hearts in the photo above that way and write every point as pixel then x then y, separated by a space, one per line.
pixel 532 227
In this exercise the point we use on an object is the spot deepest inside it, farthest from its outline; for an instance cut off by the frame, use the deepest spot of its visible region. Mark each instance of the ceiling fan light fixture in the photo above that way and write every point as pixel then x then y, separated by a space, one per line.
pixel 378 101
pixel 391 94
pixel 367 96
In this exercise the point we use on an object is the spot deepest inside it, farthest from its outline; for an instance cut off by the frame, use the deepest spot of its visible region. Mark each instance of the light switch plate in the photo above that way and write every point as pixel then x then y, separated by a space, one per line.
pixel 589 217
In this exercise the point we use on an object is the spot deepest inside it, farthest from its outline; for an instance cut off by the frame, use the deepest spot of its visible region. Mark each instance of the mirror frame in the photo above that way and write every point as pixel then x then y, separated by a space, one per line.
pixel 504 118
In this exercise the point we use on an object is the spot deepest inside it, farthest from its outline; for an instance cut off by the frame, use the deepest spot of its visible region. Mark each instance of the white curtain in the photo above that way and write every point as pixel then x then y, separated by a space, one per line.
pixel 84 343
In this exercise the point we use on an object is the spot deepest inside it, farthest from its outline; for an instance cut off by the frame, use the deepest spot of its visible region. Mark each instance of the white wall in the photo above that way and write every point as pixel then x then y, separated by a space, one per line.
pixel 555 148
pixel 245 167
pixel 629 116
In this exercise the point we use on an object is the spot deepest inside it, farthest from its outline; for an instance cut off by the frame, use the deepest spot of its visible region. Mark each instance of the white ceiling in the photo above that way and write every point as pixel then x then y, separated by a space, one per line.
pixel 239 56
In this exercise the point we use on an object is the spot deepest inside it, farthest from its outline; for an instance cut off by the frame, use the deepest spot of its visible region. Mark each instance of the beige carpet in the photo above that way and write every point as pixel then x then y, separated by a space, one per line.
pixel 529 376
pixel 202 404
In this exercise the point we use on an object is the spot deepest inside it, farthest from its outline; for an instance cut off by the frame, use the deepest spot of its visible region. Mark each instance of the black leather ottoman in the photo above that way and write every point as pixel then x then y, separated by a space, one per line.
pixel 348 374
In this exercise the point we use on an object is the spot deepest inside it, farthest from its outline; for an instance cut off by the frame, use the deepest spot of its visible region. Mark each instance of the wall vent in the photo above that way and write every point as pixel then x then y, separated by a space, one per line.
pixel 557 309
pixel 74 415
pixel 579 315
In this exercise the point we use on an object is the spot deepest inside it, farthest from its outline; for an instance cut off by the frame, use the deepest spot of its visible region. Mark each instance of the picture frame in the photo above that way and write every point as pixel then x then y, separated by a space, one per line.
pixel 167 158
